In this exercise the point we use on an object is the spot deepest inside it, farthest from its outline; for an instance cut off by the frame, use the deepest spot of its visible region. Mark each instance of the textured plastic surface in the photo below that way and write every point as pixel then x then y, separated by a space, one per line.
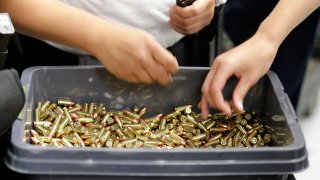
pixel 93 84
pixel 11 98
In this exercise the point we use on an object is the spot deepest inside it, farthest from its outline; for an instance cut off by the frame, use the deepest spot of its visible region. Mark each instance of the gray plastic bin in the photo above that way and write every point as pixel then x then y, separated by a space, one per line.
pixel 94 84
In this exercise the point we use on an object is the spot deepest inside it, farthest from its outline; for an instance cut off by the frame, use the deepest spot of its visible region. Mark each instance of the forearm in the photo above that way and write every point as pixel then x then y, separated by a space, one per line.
pixel 55 21
pixel 285 17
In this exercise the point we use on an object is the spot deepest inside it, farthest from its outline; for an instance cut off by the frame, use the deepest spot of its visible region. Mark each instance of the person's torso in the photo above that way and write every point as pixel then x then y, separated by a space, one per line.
pixel 149 15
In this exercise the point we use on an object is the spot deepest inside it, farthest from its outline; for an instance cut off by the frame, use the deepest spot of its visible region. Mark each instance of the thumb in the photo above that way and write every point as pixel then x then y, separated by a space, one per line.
pixel 240 92
pixel 200 5
pixel 192 10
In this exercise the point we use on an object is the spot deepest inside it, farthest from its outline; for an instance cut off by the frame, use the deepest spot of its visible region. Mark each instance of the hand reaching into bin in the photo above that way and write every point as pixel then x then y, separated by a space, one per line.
pixel 240 62
pixel 134 56
pixel 252 59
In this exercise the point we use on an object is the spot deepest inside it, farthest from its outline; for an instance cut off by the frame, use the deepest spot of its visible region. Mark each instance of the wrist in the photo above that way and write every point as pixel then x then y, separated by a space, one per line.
pixel 269 36
pixel 268 43
pixel 95 35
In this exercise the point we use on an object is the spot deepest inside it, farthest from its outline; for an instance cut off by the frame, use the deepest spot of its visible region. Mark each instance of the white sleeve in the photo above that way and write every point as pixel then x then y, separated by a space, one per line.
pixel 219 2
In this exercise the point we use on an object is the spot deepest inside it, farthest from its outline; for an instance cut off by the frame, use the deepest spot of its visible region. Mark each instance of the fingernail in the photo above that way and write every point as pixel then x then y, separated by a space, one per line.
pixel 170 79
pixel 204 115
pixel 228 112
pixel 240 105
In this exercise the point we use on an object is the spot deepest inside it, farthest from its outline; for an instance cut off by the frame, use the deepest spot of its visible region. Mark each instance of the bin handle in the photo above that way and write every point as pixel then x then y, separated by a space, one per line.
pixel 285 101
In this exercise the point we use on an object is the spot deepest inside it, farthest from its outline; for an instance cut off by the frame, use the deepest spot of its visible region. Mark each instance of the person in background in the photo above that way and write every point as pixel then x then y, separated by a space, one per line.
pixel 250 60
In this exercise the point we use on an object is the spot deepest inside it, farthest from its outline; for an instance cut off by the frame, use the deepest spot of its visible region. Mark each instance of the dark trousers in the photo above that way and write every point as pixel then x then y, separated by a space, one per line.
pixel 241 20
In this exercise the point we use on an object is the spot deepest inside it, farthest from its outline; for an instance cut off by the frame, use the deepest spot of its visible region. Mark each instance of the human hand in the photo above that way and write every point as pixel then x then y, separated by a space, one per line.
pixel 248 62
pixel 191 19
pixel 133 55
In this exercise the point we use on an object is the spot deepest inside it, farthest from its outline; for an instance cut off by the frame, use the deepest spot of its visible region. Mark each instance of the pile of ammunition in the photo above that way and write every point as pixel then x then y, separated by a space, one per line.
pixel 69 124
